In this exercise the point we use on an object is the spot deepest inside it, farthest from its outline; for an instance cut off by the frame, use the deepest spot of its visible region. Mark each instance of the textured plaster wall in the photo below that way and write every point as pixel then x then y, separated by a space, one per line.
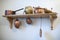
pixel 29 32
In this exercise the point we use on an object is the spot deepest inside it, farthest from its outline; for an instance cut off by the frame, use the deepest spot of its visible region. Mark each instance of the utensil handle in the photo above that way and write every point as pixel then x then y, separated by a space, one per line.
pixel 19 9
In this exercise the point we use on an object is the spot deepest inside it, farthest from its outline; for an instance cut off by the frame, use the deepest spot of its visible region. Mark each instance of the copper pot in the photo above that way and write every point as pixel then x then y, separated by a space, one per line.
pixel 17 23
pixel 9 12
pixel 28 20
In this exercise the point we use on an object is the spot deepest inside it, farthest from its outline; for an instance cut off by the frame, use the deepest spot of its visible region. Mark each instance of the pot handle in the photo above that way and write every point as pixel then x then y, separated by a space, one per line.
pixel 19 9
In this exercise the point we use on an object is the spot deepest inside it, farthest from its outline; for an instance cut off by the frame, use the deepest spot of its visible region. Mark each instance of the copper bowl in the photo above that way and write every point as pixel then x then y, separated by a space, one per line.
pixel 38 10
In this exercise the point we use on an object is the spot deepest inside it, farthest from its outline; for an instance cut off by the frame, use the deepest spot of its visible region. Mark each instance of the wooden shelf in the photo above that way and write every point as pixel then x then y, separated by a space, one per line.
pixel 52 16
pixel 32 15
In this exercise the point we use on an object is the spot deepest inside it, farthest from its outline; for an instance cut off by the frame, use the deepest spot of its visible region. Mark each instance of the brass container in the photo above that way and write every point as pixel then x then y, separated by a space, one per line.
pixel 29 10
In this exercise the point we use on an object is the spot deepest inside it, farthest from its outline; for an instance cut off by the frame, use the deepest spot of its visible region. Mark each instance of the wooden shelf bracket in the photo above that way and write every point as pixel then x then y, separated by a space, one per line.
pixel 10 19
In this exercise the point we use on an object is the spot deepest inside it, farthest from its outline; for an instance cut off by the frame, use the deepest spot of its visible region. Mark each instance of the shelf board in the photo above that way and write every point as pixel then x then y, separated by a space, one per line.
pixel 44 15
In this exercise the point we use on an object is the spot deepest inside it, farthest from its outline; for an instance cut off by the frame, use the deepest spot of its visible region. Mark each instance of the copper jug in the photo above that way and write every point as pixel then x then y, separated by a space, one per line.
pixel 17 23
pixel 28 20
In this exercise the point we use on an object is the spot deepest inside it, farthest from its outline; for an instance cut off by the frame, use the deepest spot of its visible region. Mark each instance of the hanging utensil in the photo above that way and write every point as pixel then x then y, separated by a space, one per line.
pixel 28 20
pixel 17 23
pixel 41 28
pixel 40 32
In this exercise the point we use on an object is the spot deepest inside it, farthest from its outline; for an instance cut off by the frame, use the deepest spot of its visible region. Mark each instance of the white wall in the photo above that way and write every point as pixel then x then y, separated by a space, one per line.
pixel 29 32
